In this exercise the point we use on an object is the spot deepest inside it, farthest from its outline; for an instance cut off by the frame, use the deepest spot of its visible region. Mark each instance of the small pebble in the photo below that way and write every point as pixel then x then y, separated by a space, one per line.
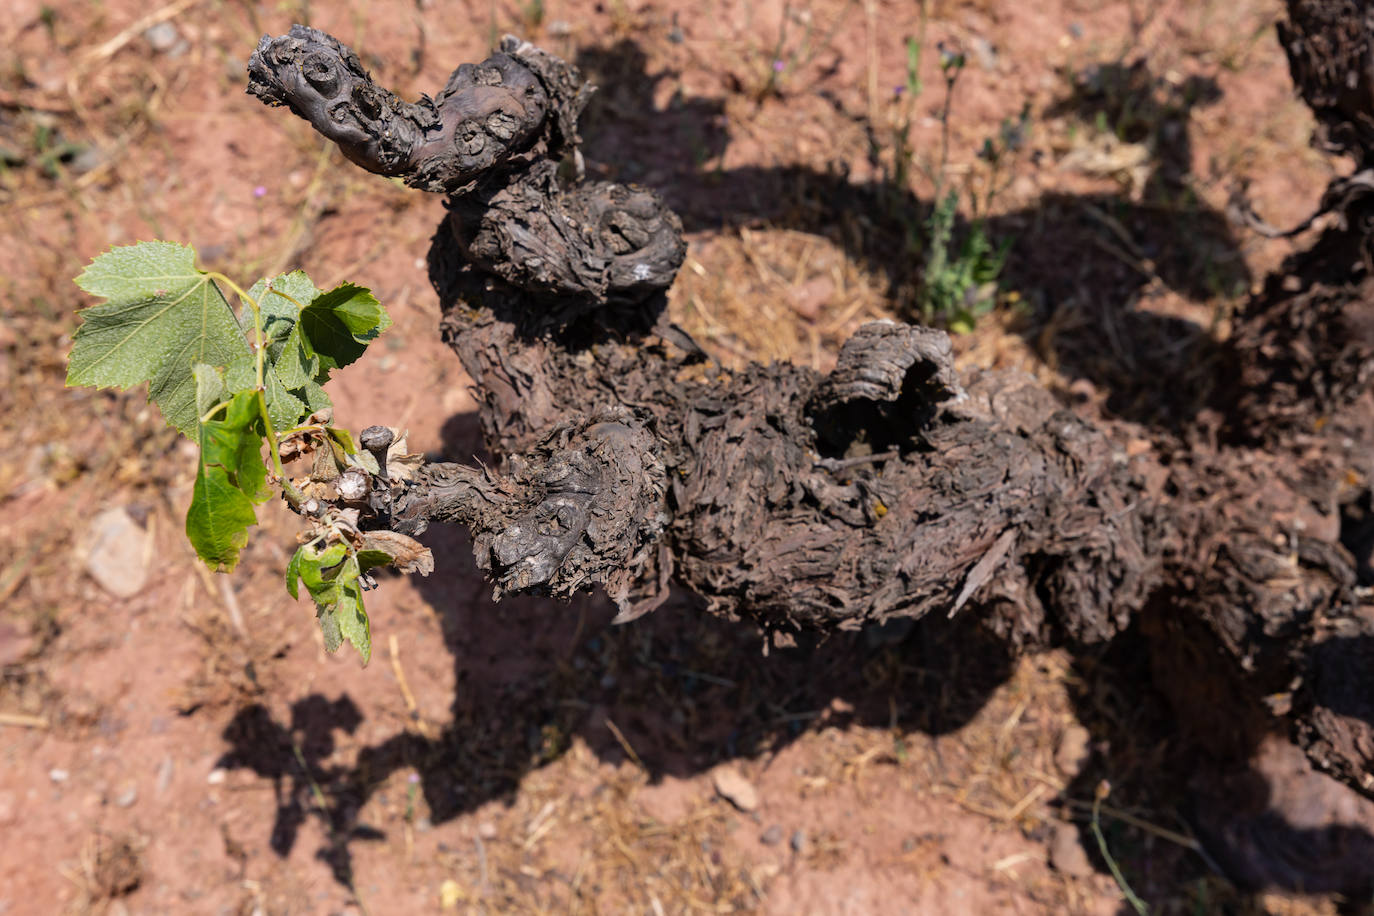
pixel 983 52
pixel 1075 747
pixel 162 36
pixel 1066 852
pixel 734 788
pixel 57 774
pixel 164 774
pixel 772 836
pixel 216 777
pixel 165 39
pixel 450 894
pixel 119 553
pixel 126 798
pixel 799 842
pixel 88 159
pixel 486 830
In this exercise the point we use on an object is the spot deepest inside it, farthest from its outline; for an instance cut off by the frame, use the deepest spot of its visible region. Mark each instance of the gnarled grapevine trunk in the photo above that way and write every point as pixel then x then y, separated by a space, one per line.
pixel 890 487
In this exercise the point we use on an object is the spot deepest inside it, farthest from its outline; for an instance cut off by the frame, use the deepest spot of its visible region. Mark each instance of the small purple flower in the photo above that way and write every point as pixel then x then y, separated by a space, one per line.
pixel 413 778
pixel 898 90
pixel 779 66
pixel 260 191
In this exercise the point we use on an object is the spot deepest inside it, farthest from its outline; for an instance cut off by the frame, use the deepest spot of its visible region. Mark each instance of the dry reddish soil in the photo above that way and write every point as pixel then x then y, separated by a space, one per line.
pixel 192 749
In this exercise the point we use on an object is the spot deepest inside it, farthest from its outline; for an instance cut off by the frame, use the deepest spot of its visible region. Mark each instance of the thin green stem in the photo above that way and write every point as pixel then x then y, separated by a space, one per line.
pixel 238 291
pixel 1136 903
pixel 288 297
pixel 260 346
pixel 952 71
pixel 303 428
pixel 210 414
pixel 260 338
pixel 292 494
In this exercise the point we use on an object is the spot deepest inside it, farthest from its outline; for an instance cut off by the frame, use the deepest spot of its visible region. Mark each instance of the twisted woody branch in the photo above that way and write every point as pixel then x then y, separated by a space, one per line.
pixel 890 487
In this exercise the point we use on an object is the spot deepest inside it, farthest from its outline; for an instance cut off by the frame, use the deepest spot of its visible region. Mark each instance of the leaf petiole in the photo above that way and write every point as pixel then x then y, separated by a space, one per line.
pixel 210 414
pixel 317 428
pixel 288 297
pixel 238 290
pixel 294 496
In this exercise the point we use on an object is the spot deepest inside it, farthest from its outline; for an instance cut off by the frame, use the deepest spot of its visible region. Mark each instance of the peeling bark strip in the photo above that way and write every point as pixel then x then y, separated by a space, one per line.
pixel 890 487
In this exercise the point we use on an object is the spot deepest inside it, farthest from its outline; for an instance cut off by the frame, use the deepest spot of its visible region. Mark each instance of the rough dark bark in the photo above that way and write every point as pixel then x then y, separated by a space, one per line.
pixel 890 487
pixel 1327 43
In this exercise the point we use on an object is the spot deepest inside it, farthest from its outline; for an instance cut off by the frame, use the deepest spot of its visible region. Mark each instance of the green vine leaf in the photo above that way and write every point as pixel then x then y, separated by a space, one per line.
pixel 235 444
pixel 210 391
pixel 371 558
pixel 230 479
pixel 293 574
pixel 314 568
pixel 329 627
pixel 351 615
pixel 331 576
pixel 344 438
pixel 291 367
pixel 161 317
pixel 338 325
pixel 234 384
pixel 285 408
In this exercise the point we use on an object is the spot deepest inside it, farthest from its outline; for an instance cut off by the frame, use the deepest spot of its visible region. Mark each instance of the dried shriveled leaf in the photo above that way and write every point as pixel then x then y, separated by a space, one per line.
pixel 404 552
pixel 400 463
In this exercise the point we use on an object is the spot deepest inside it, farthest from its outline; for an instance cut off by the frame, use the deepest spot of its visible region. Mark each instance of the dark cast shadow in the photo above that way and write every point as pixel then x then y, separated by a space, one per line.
pixel 1082 263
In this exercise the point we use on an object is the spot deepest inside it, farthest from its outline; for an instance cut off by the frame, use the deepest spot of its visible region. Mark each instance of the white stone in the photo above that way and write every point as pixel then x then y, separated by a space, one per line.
pixel 734 788
pixel 119 553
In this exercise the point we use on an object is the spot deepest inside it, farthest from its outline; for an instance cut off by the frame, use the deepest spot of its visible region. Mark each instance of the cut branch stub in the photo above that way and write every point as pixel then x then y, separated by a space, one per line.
pixel 579 248
pixel 896 374
pixel 492 139
pixel 490 114
pixel 585 507
pixel 323 81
